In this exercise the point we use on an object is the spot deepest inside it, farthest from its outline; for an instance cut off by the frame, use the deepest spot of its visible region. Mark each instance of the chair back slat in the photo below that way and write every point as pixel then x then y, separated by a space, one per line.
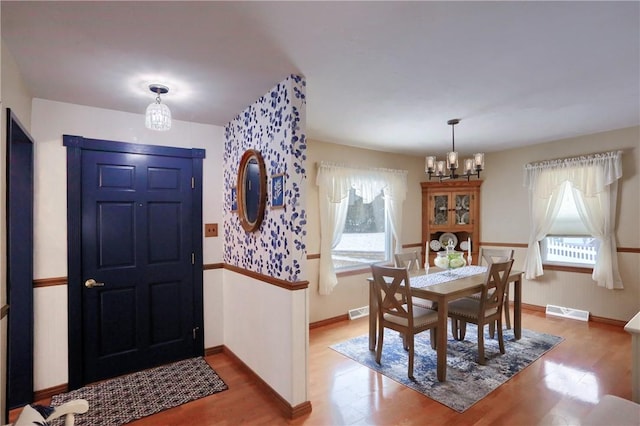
pixel 391 289
pixel 409 260
pixel 490 256
pixel 492 295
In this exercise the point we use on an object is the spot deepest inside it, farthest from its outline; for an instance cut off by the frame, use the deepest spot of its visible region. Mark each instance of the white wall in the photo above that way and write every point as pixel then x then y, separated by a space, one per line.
pixel 505 219
pixel 50 121
pixel 269 333
pixel 265 325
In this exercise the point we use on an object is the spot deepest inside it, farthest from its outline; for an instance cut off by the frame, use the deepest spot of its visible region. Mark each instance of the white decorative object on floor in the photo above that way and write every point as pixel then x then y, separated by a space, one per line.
pixel 29 416
pixel 613 410
pixel 633 328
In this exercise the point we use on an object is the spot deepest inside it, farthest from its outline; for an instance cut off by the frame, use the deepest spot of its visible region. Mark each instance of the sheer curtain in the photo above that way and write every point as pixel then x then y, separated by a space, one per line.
pixel 334 183
pixel 593 179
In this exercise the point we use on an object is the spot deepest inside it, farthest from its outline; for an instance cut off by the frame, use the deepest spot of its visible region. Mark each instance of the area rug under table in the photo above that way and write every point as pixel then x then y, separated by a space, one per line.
pixel 118 401
pixel 467 381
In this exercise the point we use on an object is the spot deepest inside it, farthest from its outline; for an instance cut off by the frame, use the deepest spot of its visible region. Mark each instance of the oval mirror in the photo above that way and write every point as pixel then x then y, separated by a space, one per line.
pixel 252 190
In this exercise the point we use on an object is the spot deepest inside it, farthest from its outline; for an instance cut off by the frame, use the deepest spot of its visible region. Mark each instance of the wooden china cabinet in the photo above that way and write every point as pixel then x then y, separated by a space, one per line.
pixel 451 210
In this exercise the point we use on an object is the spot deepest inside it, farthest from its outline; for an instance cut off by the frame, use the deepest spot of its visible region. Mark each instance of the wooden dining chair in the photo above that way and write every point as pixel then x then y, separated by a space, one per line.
pixel 407 319
pixel 411 261
pixel 489 256
pixel 485 311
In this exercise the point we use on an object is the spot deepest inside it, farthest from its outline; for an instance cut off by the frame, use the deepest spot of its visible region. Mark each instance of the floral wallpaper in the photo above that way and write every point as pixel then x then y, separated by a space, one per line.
pixel 275 126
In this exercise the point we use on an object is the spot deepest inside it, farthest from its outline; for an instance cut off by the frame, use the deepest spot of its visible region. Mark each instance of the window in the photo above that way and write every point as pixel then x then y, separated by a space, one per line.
pixel 568 242
pixel 570 251
pixel 373 198
pixel 593 181
pixel 365 238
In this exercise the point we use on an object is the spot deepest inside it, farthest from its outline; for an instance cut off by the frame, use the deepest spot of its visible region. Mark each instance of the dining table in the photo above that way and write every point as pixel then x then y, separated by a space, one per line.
pixel 443 286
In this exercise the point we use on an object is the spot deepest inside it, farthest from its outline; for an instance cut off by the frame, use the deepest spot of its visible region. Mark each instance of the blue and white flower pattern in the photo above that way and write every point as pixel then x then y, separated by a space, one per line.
pixel 275 126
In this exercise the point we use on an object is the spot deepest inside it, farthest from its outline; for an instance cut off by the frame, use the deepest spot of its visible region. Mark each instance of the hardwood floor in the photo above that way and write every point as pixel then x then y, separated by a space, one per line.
pixel 558 389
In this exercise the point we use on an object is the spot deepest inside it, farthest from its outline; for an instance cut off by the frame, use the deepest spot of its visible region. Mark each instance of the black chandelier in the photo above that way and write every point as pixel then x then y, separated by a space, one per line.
pixel 447 169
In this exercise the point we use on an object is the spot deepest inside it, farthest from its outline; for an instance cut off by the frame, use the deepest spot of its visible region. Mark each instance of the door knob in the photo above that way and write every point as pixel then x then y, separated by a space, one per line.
pixel 91 283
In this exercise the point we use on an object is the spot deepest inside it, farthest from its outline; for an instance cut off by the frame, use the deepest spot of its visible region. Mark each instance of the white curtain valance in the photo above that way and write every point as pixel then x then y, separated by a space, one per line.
pixel 589 174
pixel 367 182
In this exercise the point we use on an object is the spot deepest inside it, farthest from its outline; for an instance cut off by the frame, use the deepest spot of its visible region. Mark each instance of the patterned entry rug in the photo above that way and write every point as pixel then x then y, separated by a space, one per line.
pixel 123 399
pixel 467 381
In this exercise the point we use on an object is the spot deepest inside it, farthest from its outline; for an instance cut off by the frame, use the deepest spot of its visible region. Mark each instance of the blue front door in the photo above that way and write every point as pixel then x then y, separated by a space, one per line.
pixel 139 300
pixel 19 240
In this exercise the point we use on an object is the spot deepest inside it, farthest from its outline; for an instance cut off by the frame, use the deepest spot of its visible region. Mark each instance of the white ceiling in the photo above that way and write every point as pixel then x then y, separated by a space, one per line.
pixel 380 75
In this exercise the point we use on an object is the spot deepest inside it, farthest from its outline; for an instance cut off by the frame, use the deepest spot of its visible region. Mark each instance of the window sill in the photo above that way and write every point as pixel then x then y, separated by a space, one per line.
pixel 356 271
pixel 578 269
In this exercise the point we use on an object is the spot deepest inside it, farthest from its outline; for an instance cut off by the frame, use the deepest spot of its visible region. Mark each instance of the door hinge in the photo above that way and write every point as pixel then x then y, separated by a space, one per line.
pixel 195 331
pixel 193 258
pixel 193 182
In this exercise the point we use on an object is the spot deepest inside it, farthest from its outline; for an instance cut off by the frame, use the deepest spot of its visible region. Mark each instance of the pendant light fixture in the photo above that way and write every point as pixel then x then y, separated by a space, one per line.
pixel 447 169
pixel 158 115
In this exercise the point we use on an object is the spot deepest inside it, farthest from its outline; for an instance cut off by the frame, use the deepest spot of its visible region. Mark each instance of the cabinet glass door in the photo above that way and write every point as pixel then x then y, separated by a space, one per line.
pixel 440 209
pixel 463 209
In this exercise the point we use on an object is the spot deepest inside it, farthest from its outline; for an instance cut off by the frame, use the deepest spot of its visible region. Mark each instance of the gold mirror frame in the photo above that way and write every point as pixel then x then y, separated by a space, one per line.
pixel 251 190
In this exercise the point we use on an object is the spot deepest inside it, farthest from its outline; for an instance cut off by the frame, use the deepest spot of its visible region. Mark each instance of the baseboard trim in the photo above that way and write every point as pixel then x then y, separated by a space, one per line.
pixel 609 321
pixel 214 350
pixel 291 412
pixel 50 392
pixel 531 307
pixel 328 321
